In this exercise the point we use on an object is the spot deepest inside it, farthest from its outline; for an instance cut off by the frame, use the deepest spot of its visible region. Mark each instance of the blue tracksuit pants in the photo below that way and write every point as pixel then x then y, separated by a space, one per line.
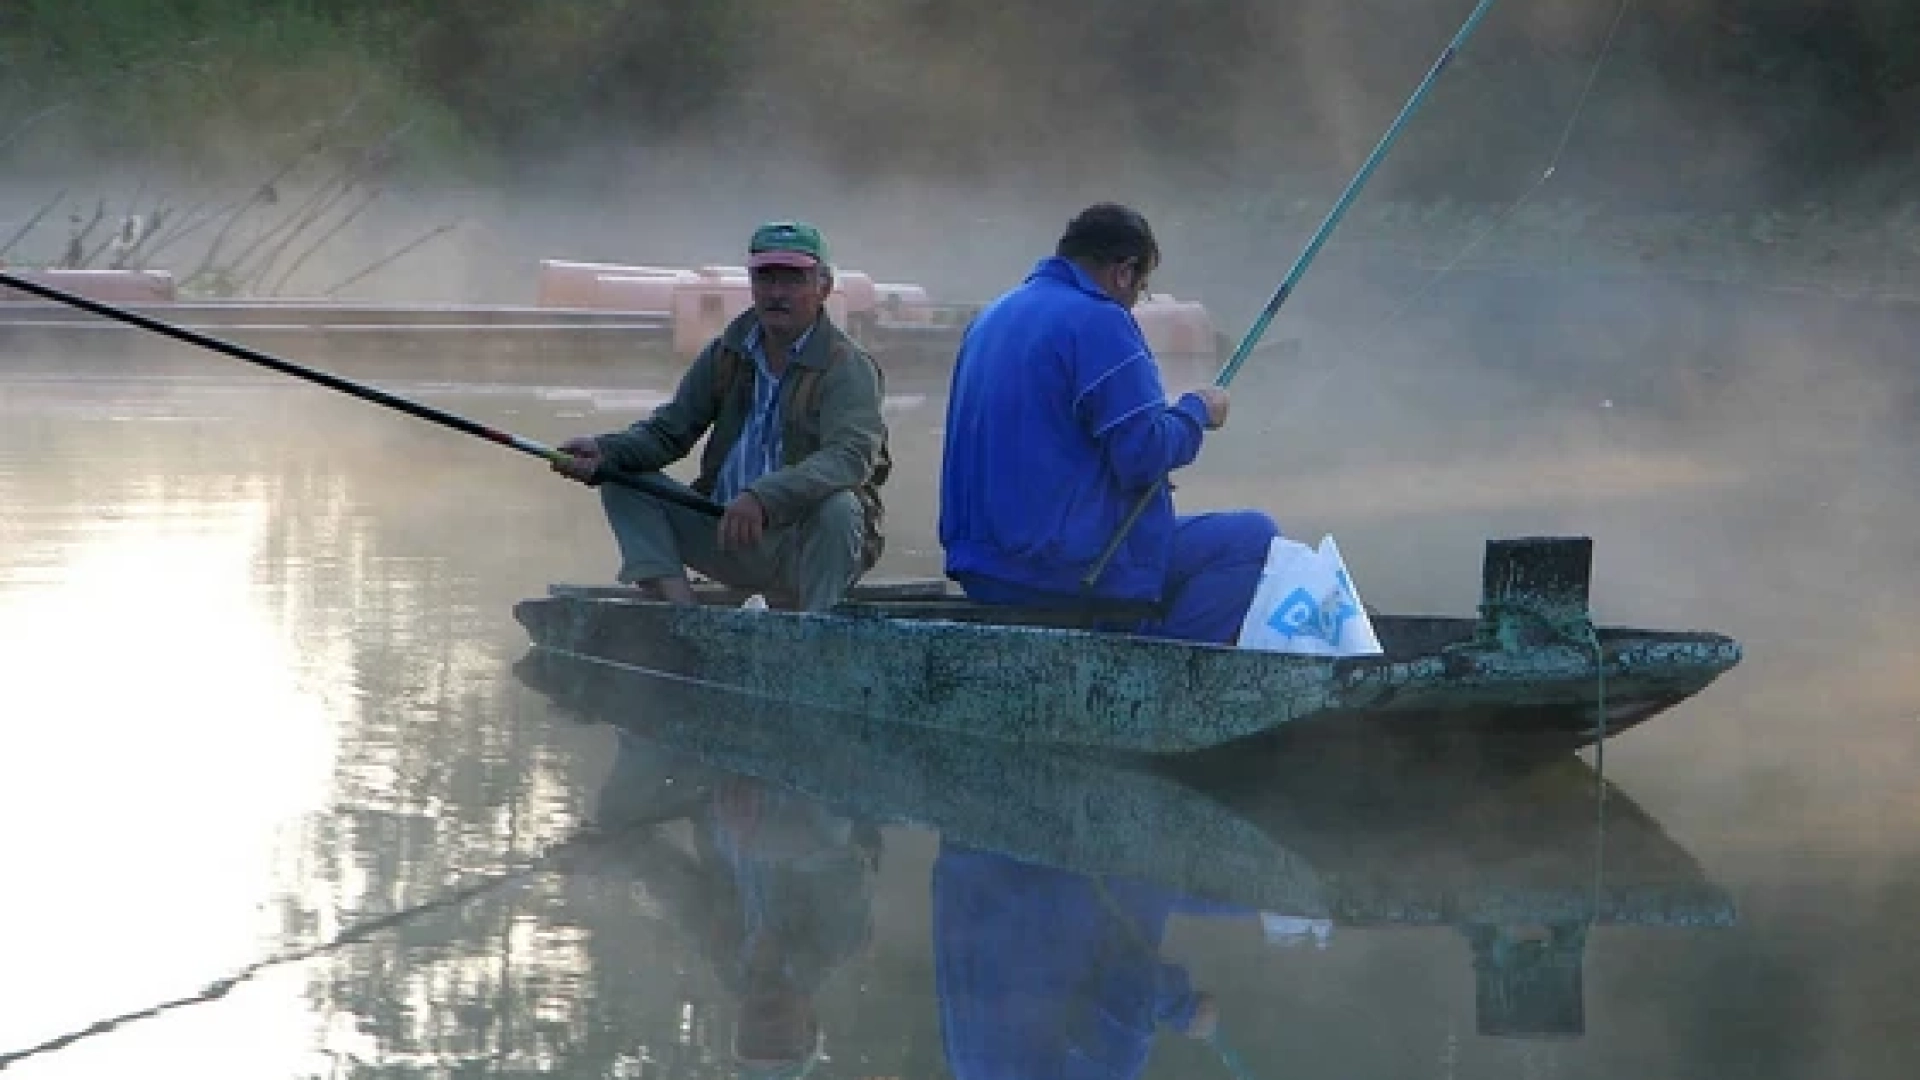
pixel 1211 577
pixel 1216 564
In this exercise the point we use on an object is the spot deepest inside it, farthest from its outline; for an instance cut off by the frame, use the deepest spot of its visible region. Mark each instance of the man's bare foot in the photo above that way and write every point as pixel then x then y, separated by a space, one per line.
pixel 674 590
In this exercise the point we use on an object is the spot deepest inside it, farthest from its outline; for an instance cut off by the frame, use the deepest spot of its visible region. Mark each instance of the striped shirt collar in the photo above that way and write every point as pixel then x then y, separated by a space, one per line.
pixel 754 344
pixel 761 444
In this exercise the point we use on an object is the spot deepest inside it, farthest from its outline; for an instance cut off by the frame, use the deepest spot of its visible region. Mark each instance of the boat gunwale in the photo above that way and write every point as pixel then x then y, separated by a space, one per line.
pixel 1621 644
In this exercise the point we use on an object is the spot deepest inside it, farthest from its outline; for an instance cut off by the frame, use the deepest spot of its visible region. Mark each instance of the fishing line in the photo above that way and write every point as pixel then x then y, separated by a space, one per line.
pixel 584 839
pixel 774 697
pixel 1299 269
pixel 1397 314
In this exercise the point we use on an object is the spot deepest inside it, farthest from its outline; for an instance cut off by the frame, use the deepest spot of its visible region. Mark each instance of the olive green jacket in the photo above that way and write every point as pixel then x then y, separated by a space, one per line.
pixel 833 437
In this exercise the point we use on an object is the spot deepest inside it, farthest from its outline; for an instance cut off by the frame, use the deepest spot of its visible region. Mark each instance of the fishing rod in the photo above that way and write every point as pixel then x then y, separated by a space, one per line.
pixel 648 485
pixel 1299 270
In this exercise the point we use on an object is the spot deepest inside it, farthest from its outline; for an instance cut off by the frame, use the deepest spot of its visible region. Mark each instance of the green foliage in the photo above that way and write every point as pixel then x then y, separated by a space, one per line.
pixel 1775 96
pixel 209 83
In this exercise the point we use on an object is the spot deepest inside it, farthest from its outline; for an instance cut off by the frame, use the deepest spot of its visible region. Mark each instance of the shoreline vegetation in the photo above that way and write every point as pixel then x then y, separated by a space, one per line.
pixel 354 97
pixel 1808 249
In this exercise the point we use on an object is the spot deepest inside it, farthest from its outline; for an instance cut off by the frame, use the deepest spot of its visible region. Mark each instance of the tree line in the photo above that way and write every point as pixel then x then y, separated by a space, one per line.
pixel 1783 96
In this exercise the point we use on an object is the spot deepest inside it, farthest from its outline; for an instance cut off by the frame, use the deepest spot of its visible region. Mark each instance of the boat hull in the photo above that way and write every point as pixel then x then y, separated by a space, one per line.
pixel 940 664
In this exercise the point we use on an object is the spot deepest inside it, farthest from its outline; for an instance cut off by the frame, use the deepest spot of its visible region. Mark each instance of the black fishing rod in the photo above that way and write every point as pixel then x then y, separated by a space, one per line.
pixel 649 485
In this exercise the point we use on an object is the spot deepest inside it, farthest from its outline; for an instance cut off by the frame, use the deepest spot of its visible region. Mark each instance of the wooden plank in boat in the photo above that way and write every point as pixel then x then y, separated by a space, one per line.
pixel 905 598
pixel 709 592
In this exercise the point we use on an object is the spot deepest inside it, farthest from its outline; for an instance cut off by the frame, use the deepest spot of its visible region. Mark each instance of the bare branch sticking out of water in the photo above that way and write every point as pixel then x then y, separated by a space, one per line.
pixel 75 256
pixel 370 167
pixel 318 202
pixel 294 267
pixel 188 223
pixel 383 261
pixel 21 233
pixel 267 192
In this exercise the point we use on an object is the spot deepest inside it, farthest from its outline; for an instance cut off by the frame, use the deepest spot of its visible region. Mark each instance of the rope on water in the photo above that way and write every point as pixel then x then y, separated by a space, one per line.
pixel 1599 767
pixel 1576 629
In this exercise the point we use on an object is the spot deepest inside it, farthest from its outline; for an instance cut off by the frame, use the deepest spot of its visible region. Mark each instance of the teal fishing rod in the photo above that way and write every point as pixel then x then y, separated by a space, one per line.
pixel 1299 270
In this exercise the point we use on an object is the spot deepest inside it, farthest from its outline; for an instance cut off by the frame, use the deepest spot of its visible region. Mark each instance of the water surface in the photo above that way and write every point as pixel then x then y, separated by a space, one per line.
pixel 262 688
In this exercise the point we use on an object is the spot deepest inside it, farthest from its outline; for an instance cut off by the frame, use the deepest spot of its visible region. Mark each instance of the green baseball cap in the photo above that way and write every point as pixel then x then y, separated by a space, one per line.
pixel 786 243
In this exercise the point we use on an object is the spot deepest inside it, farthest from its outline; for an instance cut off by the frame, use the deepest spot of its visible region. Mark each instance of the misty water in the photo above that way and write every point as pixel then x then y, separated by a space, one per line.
pixel 263 685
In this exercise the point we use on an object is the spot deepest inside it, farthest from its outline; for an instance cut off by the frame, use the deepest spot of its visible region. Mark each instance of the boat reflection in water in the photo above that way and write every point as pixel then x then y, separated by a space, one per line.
pixel 1057 872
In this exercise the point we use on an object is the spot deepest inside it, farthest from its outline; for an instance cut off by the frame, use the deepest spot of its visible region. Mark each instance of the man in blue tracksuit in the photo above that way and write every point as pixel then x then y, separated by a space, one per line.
pixel 1058 423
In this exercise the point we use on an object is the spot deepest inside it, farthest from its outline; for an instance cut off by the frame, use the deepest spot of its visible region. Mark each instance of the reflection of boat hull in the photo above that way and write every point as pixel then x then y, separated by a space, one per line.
pixel 1391 839
pixel 1074 812
pixel 1519 859
pixel 1032 677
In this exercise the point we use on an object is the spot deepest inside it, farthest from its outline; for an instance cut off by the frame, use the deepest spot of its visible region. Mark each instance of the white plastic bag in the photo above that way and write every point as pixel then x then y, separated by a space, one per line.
pixel 1293 931
pixel 1306 603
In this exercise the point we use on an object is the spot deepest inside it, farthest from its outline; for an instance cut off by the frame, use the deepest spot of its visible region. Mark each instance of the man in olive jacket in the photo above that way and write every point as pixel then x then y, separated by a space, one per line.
pixel 796 453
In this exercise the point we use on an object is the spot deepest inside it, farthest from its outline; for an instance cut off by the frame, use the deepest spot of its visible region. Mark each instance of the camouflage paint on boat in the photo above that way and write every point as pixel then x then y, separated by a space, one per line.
pixel 1526 666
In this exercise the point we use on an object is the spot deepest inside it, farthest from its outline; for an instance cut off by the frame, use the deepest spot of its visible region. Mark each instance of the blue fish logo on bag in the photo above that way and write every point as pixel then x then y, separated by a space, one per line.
pixel 1301 614
pixel 1307 604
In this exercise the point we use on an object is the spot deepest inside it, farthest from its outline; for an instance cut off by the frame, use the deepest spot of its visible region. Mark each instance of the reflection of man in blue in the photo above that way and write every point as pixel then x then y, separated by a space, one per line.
pixel 1044 973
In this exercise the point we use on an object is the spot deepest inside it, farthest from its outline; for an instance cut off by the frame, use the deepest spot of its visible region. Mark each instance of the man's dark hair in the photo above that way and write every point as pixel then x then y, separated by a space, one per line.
pixel 1107 233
